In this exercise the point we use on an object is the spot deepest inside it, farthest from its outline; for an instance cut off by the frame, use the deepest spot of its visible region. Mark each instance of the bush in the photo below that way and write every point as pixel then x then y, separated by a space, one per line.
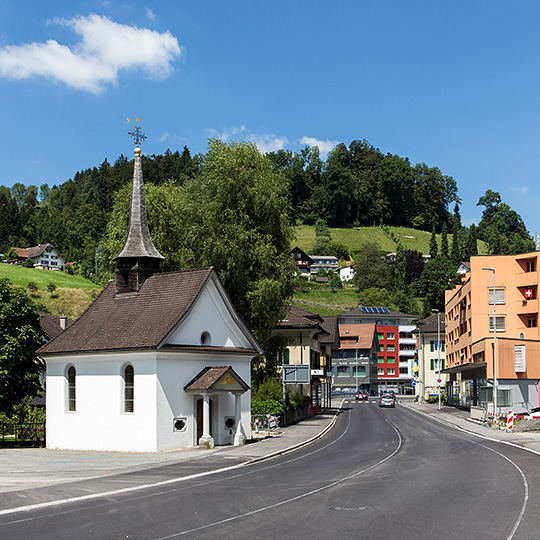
pixel 435 399
pixel 266 406
pixel 32 289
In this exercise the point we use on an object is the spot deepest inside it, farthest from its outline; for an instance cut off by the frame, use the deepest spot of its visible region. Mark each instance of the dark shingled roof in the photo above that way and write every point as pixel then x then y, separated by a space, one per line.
pixel 132 321
pixel 32 252
pixel 330 325
pixel 299 317
pixel 430 324
pixel 50 325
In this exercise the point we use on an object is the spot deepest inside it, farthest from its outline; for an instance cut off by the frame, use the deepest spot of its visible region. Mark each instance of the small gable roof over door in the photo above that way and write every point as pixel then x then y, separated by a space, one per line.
pixel 220 379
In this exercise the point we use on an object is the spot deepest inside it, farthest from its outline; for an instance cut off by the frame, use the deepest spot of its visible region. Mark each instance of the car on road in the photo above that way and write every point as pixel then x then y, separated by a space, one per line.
pixel 361 394
pixel 387 400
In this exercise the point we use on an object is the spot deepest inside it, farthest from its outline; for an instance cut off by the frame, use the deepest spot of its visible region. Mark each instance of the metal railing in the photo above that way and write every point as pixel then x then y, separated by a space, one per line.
pixel 24 433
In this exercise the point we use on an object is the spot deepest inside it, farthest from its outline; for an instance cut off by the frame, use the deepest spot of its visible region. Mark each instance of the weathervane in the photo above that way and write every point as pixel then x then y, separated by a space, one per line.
pixel 136 134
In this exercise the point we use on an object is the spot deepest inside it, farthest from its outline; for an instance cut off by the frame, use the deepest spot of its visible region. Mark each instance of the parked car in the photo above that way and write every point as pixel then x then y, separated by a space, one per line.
pixel 361 394
pixel 387 400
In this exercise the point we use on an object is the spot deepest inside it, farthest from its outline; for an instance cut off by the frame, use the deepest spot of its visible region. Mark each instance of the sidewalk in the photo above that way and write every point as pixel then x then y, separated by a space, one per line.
pixel 38 476
pixel 460 419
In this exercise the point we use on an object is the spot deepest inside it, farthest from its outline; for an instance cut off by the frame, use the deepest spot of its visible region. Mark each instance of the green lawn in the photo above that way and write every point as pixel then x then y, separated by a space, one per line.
pixel 386 237
pixel 18 275
pixel 325 302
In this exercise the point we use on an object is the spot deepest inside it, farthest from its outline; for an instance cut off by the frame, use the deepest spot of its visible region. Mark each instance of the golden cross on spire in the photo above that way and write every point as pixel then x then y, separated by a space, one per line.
pixel 136 134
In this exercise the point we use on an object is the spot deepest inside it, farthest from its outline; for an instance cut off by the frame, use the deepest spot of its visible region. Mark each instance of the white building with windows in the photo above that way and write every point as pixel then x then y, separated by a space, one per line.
pixel 43 256
pixel 430 358
pixel 158 361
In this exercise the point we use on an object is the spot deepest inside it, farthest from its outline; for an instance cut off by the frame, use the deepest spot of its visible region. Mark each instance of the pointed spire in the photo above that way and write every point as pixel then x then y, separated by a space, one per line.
pixel 138 259
pixel 138 242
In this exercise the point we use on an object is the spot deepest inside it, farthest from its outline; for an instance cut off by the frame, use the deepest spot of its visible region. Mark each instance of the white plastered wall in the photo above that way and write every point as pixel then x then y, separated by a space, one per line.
pixel 100 423
pixel 174 371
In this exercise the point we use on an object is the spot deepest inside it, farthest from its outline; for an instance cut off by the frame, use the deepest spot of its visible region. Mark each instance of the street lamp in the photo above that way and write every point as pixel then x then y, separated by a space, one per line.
pixel 494 344
pixel 438 353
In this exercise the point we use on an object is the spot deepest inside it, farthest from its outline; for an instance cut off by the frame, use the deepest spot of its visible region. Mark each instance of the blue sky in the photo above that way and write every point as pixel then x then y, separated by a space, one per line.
pixel 452 84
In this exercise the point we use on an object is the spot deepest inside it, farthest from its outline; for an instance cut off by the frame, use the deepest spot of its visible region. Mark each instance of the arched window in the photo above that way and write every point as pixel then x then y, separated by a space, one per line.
pixel 71 375
pixel 129 387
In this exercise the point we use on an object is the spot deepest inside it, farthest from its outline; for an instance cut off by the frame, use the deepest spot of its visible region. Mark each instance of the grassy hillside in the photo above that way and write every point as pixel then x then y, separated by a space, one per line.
pixel 386 237
pixel 325 302
pixel 71 297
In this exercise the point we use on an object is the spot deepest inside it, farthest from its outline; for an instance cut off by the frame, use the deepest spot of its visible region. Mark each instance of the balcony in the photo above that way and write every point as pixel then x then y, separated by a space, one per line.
pixel 523 307
pixel 525 279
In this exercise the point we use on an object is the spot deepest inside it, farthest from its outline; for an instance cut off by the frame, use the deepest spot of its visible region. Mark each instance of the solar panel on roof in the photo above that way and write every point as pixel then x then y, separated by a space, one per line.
pixel 369 309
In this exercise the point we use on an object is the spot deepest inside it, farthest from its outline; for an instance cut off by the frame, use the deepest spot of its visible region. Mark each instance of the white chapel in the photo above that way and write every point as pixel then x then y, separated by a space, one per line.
pixel 158 361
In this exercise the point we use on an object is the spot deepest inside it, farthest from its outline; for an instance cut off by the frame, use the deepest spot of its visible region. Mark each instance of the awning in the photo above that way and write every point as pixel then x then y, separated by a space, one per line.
pixel 217 379
pixel 465 367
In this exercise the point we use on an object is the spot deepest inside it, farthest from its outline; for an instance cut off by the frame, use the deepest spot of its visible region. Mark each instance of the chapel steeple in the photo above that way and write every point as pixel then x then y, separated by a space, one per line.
pixel 139 258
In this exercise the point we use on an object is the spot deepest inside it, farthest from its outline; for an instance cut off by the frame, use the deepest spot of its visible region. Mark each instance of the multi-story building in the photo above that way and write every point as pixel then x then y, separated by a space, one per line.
pixel 492 320
pixel 430 361
pixel 354 362
pixel 306 340
pixel 396 345
pixel 43 256
pixel 309 265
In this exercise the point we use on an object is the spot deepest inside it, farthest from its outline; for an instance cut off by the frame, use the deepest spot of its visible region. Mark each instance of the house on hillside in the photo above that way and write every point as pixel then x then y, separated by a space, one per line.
pixel 44 256
pixel 309 265
pixel 303 261
pixel 158 361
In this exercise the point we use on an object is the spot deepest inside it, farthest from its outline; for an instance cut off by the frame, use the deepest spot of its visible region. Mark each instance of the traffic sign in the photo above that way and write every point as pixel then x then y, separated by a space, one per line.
pixel 413 383
pixel 439 381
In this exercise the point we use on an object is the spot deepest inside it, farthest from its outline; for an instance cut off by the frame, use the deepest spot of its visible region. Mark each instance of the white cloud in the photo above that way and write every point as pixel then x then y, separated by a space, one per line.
pixel 268 143
pixel 105 49
pixel 150 14
pixel 522 190
pixel 265 143
pixel 164 137
pixel 228 133
pixel 324 146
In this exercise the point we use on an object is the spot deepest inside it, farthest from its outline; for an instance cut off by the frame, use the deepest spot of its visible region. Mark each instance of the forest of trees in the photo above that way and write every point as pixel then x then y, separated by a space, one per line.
pixel 200 198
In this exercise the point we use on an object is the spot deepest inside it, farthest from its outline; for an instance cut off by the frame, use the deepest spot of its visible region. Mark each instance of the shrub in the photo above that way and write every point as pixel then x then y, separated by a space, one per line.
pixel 266 406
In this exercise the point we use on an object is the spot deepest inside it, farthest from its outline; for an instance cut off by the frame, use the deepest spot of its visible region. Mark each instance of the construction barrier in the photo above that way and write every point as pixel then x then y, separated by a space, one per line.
pixel 510 421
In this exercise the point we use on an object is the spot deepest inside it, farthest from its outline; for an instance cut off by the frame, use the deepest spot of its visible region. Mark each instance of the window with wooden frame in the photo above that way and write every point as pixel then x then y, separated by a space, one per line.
pixel 129 388
pixel 72 397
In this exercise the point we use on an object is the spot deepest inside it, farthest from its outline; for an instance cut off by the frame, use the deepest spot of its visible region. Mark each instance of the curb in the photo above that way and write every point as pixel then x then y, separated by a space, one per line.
pixel 474 433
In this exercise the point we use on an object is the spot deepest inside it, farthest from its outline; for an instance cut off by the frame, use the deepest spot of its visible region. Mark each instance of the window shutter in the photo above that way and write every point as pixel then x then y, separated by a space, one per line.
pixel 520 359
pixel 496 296
pixel 501 323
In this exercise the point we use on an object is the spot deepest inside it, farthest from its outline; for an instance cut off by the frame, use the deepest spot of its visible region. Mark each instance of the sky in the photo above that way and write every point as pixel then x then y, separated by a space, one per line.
pixel 453 84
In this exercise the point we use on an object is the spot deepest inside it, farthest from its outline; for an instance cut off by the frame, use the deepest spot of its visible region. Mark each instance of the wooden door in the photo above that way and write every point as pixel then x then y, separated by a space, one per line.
pixel 200 418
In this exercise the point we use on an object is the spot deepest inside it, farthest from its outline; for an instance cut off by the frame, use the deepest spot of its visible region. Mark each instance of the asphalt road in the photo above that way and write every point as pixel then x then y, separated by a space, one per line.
pixel 378 474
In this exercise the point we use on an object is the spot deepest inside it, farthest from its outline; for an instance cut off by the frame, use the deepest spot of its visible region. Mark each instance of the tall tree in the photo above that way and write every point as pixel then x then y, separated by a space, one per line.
pixel 399 269
pixel 455 249
pixel 499 222
pixel 372 270
pixel 234 217
pixel 434 192
pixel 20 336
pixel 433 246
pixel 444 240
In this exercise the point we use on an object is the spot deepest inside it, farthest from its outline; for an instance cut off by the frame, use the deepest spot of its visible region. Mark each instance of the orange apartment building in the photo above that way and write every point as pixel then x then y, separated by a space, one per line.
pixel 469 314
